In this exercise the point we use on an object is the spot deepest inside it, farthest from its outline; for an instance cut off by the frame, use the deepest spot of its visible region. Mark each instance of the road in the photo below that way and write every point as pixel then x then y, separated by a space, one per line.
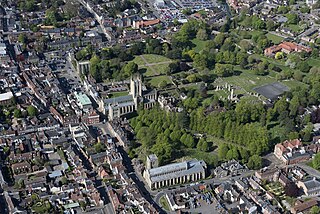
pixel 141 186
pixel 311 171
pixel 108 208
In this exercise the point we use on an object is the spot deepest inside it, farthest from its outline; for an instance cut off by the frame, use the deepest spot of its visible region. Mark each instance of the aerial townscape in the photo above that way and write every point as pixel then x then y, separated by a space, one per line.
pixel 160 106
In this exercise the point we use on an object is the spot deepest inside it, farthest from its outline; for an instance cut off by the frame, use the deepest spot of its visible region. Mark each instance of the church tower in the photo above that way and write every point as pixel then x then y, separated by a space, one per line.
pixel 136 85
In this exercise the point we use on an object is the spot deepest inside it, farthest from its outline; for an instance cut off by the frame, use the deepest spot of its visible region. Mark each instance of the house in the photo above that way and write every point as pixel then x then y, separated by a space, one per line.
pixel 6 98
pixel 22 167
pixel 286 47
pixel 291 152
pixel 310 187
pixel 174 205
pixel 303 206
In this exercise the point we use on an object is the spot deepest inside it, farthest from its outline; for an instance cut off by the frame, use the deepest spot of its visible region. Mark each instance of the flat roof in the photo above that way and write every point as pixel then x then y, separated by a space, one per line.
pixel 83 99
pixel 6 96
pixel 271 91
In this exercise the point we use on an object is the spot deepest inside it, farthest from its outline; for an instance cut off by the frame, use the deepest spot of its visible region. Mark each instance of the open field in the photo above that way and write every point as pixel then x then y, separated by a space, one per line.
pixel 200 45
pixel 247 80
pixel 153 58
pixel 154 64
pixel 295 28
pixel 155 81
pixel 274 38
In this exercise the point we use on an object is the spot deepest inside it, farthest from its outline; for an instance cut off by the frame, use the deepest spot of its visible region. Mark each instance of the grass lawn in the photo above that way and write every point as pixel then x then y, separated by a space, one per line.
pixel 119 94
pixel 247 80
pixel 155 81
pixel 139 61
pixel 153 58
pixel 274 38
pixel 313 62
pixel 200 45
pixel 164 203
pixel 256 33
pixel 147 71
pixel 209 157
pixel 293 83
pixel 275 188
pixel 161 68
pixel 295 28
pixel 218 93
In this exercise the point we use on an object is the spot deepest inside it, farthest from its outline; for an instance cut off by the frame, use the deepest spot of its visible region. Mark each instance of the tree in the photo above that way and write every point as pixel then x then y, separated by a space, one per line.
pixel 23 38
pixel 187 140
pixel 163 149
pixel 99 147
pixel 163 84
pixel 315 210
pixel 202 34
pixel 255 162
pixel 203 145
pixel 130 68
pixel 173 67
pixel 219 39
pixel 200 61
pixel 292 18
pixel 246 45
pixel 279 55
pixel 222 151
pixel 94 68
pixel 304 66
pixel 270 25
pixel 64 180
pixel 32 111
pixel 52 16
pixel 294 105
pixel 316 161
pixel 223 70
pixel 17 113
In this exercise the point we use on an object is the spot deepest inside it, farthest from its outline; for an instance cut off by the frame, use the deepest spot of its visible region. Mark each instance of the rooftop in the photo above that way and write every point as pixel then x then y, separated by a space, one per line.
pixel 83 99
pixel 176 170
pixel 6 96
pixel 272 91
pixel 121 99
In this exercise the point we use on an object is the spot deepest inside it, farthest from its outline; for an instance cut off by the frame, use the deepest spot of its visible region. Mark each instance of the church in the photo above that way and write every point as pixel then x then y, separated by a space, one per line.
pixel 120 106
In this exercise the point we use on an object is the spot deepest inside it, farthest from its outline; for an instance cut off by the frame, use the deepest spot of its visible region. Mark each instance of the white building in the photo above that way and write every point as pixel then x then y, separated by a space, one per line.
pixel 311 2
pixel 176 173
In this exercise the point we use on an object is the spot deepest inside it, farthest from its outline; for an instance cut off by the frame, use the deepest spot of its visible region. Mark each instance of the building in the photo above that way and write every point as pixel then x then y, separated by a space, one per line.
pixel 119 106
pixel 6 98
pixel 176 173
pixel 152 161
pixel 310 187
pixel 303 206
pixel 311 2
pixel 83 101
pixel 83 67
pixel 286 47
pixel 291 152
pixel 91 118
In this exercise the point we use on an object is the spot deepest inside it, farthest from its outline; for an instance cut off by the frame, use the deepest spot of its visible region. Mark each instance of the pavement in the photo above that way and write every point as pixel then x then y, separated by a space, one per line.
pixel 311 171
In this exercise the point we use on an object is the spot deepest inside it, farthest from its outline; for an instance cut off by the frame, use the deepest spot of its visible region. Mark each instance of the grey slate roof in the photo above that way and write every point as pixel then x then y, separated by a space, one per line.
pixel 121 99
pixel 176 170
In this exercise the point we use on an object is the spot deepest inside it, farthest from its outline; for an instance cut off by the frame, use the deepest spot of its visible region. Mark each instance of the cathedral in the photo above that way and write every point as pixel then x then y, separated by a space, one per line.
pixel 120 106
